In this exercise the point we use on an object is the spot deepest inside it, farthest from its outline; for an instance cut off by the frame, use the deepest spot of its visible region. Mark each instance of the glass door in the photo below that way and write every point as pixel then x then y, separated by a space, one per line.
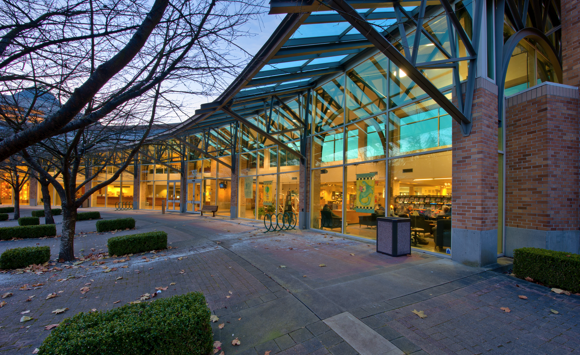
pixel 194 196
pixel 173 195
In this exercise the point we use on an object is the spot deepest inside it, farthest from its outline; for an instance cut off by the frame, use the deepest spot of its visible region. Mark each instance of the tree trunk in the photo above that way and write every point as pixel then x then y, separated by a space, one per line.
pixel 69 222
pixel 16 203
pixel 48 219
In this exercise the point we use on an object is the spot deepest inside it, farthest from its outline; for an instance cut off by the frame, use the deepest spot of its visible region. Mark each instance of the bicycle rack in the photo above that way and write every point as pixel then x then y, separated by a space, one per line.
pixel 288 220
pixel 121 206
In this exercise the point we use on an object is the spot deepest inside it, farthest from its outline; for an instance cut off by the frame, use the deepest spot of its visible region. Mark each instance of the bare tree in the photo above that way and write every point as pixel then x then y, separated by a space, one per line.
pixel 67 64
pixel 16 174
pixel 72 161
pixel 44 188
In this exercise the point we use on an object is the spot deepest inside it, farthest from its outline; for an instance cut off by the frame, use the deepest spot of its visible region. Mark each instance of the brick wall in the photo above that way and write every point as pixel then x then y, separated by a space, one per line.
pixel 542 159
pixel 475 164
pixel 571 41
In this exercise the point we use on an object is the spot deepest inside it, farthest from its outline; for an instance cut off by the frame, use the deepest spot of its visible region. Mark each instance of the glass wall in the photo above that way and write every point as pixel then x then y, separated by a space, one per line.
pixel 120 190
pixel 420 188
pixel 367 163
pixel 269 182
pixel 528 66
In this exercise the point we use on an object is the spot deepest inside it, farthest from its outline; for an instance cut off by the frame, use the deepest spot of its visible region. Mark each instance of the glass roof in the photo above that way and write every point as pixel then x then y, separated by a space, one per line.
pixel 325 60
pixel 320 30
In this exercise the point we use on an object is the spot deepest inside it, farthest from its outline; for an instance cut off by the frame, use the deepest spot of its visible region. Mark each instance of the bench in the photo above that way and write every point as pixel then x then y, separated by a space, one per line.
pixel 208 208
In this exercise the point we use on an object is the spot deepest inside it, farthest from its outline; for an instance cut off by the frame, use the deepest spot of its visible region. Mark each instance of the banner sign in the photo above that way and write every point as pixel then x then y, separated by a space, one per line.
pixel 365 193
pixel 268 193
pixel 248 184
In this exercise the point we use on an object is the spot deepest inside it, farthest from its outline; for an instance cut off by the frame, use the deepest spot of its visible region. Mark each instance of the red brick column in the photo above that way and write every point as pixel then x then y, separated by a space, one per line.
pixel 571 41
pixel 475 180
pixel 542 169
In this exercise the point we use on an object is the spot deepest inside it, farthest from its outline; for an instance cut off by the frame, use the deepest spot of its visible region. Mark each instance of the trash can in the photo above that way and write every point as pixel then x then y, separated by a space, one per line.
pixel 394 236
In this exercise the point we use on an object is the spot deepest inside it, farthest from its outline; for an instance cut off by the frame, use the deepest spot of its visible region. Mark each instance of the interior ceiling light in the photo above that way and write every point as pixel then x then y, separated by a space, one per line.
pixel 429 179
pixel 442 178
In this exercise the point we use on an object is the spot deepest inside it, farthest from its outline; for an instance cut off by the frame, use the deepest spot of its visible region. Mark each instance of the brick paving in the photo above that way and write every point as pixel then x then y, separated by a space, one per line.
pixel 279 295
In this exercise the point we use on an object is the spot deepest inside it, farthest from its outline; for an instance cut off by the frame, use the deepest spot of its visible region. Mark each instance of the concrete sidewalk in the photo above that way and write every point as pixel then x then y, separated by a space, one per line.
pixel 270 292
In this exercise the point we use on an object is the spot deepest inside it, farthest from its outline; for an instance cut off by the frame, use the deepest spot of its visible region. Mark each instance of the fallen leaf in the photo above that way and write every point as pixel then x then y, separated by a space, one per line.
pixel 505 309
pixel 554 311
pixel 171 284
pixel 36 351
pixel 217 344
pixel 282 266
pixel 239 318
pixel 145 297
pixel 523 297
pixel 322 265
pixel 421 314
pixel 3 303
pixel 25 312
pixel 119 278
pixel 49 327
pixel 268 352
pixel 25 319
pixel 214 318
pixel 25 288
pixel 162 288
pixel 560 291
pixel 51 295
pixel 85 290
pixel 59 311
pixel 236 342
pixel 38 285
pixel 7 294
pixel 529 279
pixel 29 299
pixel 180 258
pixel 116 302
pixel 351 254
pixel 221 326
pixel 93 310
pixel 135 302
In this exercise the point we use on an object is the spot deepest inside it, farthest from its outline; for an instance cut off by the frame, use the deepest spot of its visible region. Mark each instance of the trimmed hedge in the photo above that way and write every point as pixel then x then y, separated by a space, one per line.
pixel 83 216
pixel 115 224
pixel 6 209
pixel 175 325
pixel 551 268
pixel 28 221
pixel 45 230
pixel 22 257
pixel 3 216
pixel 40 213
pixel 137 243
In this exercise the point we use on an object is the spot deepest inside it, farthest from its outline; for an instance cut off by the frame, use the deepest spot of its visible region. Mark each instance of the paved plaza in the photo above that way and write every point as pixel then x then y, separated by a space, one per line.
pixel 294 293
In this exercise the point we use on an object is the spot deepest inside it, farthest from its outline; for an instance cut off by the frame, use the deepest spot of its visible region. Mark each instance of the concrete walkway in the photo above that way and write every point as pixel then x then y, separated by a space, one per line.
pixel 271 292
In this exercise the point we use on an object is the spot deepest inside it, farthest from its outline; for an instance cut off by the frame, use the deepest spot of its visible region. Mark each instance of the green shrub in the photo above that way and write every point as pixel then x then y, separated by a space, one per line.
pixel 28 221
pixel 3 216
pixel 6 209
pixel 552 268
pixel 45 230
pixel 83 216
pixel 22 257
pixel 115 224
pixel 137 243
pixel 40 213
pixel 175 325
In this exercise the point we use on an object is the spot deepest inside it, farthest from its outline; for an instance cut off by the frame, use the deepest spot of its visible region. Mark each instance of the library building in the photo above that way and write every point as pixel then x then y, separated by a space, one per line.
pixel 460 115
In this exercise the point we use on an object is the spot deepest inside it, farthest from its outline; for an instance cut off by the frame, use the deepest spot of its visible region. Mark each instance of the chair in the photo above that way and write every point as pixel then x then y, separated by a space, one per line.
pixel 328 221
pixel 443 236
pixel 368 221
